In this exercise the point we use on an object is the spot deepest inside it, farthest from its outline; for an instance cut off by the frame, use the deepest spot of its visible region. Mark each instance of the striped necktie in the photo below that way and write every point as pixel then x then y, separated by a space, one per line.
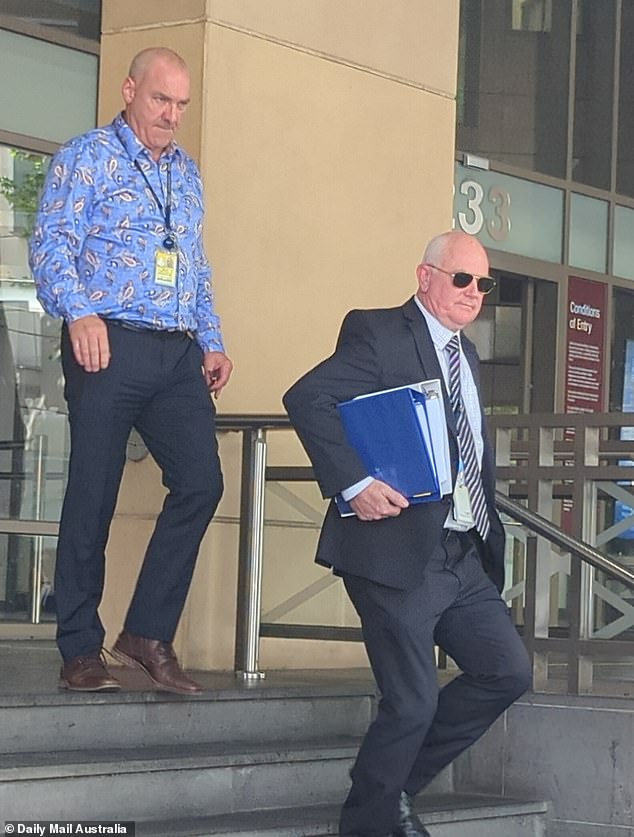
pixel 472 477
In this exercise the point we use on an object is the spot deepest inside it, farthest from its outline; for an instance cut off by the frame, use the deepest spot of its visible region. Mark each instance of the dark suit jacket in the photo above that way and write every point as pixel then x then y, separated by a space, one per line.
pixel 379 349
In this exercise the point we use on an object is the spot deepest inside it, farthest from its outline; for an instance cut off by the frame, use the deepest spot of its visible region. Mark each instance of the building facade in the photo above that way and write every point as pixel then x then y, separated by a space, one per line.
pixel 332 145
pixel 545 177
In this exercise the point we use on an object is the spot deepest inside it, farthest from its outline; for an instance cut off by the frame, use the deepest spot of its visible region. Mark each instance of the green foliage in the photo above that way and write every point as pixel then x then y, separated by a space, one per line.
pixel 23 191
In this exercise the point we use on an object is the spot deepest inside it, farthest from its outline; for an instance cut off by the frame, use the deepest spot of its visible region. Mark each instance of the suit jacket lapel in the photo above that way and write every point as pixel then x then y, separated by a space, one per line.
pixel 470 353
pixel 427 355
pixel 422 338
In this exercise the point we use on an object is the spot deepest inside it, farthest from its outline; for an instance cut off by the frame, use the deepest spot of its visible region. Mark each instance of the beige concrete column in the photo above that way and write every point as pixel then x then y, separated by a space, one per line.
pixel 324 130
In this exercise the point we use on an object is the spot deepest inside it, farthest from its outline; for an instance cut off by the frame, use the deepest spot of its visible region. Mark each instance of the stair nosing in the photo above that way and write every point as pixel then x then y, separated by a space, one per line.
pixel 215 695
pixel 93 762
pixel 323 816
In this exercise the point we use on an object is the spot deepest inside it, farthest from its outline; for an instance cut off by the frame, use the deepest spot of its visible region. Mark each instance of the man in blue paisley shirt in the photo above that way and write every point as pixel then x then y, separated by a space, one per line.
pixel 117 252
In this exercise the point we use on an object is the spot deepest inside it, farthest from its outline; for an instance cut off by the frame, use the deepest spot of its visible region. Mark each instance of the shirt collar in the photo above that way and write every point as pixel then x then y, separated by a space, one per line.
pixel 440 334
pixel 133 145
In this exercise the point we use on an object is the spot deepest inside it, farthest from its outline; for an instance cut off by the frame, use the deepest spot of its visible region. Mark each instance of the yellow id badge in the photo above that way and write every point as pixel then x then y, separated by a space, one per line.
pixel 165 268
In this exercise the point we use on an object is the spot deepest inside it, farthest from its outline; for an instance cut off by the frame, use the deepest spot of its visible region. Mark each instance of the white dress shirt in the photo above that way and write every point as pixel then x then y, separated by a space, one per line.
pixel 440 336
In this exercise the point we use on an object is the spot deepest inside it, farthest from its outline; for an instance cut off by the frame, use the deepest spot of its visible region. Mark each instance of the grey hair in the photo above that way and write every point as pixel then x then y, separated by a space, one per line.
pixel 435 250
pixel 144 59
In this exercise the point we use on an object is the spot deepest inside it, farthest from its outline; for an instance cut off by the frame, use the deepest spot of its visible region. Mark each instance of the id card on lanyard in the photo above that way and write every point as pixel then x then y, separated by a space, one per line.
pixel 165 268
pixel 166 256
pixel 461 505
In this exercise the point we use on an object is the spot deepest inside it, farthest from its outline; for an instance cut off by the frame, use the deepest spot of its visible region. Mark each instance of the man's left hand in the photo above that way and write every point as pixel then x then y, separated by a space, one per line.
pixel 378 501
pixel 217 369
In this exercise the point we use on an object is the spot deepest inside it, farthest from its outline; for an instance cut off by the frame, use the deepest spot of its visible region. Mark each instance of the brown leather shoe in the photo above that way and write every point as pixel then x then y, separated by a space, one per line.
pixel 158 660
pixel 87 674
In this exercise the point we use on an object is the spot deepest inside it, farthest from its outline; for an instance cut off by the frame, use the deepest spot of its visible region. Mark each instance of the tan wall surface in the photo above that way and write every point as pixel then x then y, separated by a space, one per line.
pixel 325 174
pixel 323 184
pixel 413 40
pixel 408 39
pixel 118 15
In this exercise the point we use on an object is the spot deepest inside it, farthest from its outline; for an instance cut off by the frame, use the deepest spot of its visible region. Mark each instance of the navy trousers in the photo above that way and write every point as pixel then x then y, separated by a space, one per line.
pixel 154 382
pixel 418 729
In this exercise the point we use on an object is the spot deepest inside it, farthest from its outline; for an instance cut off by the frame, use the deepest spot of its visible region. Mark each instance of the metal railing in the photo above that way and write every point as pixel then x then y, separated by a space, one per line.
pixel 543 463
pixel 522 479
pixel 251 537
pixel 36 526
pixel 571 470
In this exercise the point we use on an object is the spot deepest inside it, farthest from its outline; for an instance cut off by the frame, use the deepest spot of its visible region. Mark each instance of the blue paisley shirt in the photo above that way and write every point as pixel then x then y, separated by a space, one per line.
pixel 99 226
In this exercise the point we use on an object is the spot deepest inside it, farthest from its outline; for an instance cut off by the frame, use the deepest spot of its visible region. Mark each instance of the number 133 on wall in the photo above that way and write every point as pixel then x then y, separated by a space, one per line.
pixel 490 211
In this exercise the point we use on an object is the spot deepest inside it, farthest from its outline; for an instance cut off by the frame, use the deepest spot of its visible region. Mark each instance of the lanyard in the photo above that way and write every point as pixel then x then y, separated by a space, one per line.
pixel 169 242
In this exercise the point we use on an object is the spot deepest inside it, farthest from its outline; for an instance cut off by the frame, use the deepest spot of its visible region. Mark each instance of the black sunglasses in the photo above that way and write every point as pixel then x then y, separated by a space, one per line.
pixel 461 279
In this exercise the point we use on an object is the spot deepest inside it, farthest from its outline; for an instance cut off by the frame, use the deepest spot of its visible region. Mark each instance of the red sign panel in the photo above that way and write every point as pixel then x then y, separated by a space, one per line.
pixel 585 346
pixel 585 351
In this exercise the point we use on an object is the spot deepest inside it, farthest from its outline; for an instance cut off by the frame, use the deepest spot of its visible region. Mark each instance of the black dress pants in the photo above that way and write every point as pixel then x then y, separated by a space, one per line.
pixel 154 382
pixel 419 730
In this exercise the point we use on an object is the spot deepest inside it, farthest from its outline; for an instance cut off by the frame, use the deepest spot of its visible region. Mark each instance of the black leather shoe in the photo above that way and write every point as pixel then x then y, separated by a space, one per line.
pixel 409 825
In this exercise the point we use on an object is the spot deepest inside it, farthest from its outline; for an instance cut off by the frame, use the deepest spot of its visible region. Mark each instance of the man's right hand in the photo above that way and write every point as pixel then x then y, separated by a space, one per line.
pixel 377 501
pixel 89 339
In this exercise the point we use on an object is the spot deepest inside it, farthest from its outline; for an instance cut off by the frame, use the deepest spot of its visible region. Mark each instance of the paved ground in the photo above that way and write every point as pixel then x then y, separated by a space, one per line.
pixel 31 667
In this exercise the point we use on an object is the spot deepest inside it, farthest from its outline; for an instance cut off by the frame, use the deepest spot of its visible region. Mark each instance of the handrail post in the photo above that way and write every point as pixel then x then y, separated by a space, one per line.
pixel 250 552
pixel 533 630
pixel 36 570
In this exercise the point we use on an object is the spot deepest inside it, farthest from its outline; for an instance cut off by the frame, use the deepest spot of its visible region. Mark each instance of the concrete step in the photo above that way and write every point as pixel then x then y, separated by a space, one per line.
pixel 273 712
pixel 174 781
pixel 263 758
pixel 446 815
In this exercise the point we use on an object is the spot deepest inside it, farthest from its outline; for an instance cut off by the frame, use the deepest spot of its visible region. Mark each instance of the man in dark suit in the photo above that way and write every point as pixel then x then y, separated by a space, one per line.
pixel 418 574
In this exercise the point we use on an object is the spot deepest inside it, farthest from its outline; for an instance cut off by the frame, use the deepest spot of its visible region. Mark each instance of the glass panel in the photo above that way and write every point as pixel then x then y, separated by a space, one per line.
pixel 588 233
pixel 543 342
pixel 622 333
pixel 33 424
pixel 594 85
pixel 513 82
pixel 625 152
pixel 623 256
pixel 622 400
pixel 518 370
pixel 78 17
pixel 497 334
pixel 509 214
pixel 49 91
pixel 532 15
pixel 25 562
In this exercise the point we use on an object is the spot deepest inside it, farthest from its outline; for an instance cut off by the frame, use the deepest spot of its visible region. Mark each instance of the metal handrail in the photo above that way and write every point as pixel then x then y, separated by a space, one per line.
pixel 253 421
pixel 12 444
pixel 255 474
pixel 541 526
pixel 250 541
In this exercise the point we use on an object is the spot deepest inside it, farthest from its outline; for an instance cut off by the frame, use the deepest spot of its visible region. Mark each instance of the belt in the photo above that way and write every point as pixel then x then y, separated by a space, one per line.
pixel 147 329
pixel 470 538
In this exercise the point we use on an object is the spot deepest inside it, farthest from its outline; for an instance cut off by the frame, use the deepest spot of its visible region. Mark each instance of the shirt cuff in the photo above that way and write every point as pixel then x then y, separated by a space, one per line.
pixel 211 345
pixel 351 492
